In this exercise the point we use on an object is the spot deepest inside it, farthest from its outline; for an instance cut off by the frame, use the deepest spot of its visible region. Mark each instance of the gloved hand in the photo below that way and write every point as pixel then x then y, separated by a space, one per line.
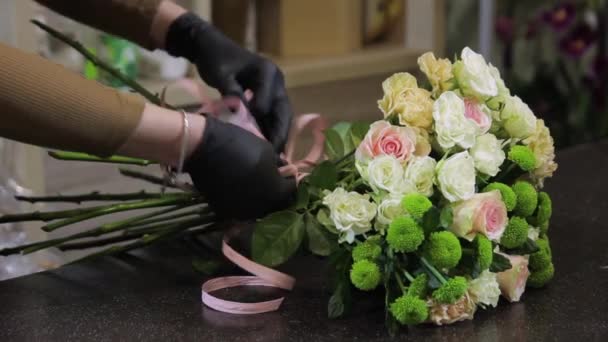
pixel 237 172
pixel 232 69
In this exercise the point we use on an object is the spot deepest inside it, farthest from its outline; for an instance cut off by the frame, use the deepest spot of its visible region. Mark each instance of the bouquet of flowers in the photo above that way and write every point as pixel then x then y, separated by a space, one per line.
pixel 438 203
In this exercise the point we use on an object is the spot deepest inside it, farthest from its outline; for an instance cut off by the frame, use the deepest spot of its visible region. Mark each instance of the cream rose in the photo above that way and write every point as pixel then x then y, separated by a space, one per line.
pixel 411 104
pixel 484 289
pixel 451 125
pixel 480 114
pixel 456 177
pixel 474 76
pixel 483 213
pixel 517 118
pixel 421 173
pixel 488 154
pixel 386 173
pixel 503 91
pixel 386 139
pixel 350 212
pixel 512 282
pixel 541 144
pixel 437 71
pixel 389 209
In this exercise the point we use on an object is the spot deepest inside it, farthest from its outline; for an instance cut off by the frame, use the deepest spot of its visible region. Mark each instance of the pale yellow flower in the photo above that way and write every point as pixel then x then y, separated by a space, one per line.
pixel 412 105
pixel 423 143
pixel 541 143
pixel 437 71
pixel 441 314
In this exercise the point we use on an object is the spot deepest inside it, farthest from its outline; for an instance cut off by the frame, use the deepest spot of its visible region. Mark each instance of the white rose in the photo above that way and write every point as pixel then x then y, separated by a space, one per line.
pixel 350 212
pixel 386 173
pixel 474 76
pixel 517 118
pixel 451 124
pixel 484 289
pixel 389 209
pixel 503 91
pixel 456 177
pixel 487 154
pixel 421 172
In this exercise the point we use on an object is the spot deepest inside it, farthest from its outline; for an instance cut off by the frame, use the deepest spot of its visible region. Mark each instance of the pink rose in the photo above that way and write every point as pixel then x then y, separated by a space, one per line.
pixel 483 213
pixel 512 282
pixel 474 112
pixel 384 138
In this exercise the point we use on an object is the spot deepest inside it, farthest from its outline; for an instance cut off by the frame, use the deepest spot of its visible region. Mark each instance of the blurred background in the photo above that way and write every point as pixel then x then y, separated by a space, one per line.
pixel 334 54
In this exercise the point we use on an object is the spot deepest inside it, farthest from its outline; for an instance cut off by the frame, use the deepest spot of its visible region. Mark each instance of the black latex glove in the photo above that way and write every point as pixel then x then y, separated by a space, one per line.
pixel 237 172
pixel 232 69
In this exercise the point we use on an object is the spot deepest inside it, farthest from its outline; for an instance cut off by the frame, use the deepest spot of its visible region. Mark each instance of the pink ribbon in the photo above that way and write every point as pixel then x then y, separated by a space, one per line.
pixel 232 109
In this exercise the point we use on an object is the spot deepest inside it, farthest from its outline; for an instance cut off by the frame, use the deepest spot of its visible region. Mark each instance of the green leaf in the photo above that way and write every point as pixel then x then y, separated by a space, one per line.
pixel 333 144
pixel 431 220
pixel 319 241
pixel 324 176
pixel 303 196
pixel 343 128
pixel 206 267
pixel 500 263
pixel 277 237
pixel 446 217
pixel 325 221
pixel 358 130
pixel 335 306
pixel 528 247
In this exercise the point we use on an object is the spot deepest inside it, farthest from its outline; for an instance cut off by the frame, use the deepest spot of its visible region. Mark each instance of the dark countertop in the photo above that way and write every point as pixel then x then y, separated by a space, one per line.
pixel 134 299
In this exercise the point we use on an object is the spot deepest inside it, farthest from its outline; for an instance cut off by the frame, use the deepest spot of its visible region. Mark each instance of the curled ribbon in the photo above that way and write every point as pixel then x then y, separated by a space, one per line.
pixel 233 110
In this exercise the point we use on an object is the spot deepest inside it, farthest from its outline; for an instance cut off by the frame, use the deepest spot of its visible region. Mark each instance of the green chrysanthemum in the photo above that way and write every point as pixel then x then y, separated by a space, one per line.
pixel 409 310
pixel 416 205
pixel 527 198
pixel 545 207
pixel 541 259
pixel 541 277
pixel 516 233
pixel 443 250
pixel 451 291
pixel 367 250
pixel 365 275
pixel 418 286
pixel 483 251
pixel 508 196
pixel 544 227
pixel 523 157
pixel 404 234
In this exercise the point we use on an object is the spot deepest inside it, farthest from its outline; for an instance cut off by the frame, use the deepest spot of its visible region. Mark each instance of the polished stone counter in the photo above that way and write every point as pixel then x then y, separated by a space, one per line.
pixel 133 298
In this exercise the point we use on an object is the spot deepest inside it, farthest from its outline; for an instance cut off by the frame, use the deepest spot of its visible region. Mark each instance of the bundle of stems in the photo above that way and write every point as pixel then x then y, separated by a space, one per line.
pixel 170 215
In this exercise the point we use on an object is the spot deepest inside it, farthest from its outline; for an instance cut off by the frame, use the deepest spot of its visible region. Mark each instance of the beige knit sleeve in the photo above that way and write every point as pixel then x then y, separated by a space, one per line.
pixel 44 104
pixel 130 19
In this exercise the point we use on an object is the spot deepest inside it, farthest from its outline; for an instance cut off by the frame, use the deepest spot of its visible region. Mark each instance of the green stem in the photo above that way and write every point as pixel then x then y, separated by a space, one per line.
pixel 93 196
pixel 198 211
pixel 47 215
pixel 433 270
pixel 346 156
pixel 145 176
pixel 138 220
pixel 120 207
pixel 409 277
pixel 501 177
pixel 78 156
pixel 145 240
pixel 401 285
pixel 101 64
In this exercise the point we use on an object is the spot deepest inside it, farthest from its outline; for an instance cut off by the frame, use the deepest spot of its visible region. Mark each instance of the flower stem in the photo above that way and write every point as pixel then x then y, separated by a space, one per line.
pixel 151 220
pixel 409 277
pixel 119 207
pixel 93 196
pixel 46 216
pixel 433 270
pixel 146 177
pixel 101 64
pixel 345 157
pixel 503 175
pixel 401 285
pixel 78 156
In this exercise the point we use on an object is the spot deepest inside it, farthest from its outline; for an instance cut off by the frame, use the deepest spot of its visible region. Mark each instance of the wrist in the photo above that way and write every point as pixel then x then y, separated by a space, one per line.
pixel 166 14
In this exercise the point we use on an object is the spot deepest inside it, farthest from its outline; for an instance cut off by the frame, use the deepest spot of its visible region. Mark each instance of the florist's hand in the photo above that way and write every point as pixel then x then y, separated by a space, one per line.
pixel 232 69
pixel 237 173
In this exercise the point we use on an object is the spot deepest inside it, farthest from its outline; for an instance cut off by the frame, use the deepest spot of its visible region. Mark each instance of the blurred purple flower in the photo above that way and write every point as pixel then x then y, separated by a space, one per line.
pixel 578 41
pixel 560 16
pixel 532 29
pixel 505 29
